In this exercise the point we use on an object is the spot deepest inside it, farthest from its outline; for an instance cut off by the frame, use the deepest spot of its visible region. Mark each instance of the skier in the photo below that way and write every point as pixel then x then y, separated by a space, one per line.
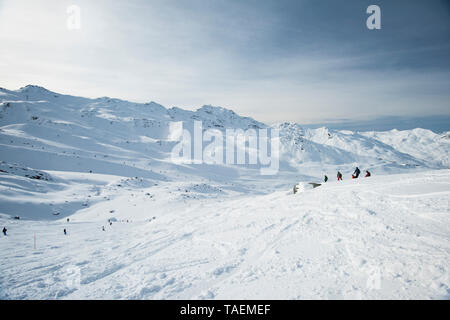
pixel 4 230
pixel 103 228
pixel 65 232
pixel 367 174
pixel 356 173
pixel 68 220
pixel 326 178
pixel 339 176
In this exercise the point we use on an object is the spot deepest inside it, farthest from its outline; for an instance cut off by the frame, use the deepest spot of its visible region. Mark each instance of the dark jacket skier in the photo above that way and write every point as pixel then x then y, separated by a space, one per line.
pixel 4 230
pixel 326 179
pixel 65 232
pixel 339 176
pixel 367 174
pixel 356 173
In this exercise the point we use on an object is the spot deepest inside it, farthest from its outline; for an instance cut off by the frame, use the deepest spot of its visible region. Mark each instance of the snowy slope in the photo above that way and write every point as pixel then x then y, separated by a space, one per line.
pixel 384 238
pixel 420 143
pixel 212 231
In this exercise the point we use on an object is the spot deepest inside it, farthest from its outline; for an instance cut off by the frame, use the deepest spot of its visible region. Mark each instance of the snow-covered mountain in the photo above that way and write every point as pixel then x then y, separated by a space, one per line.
pixel 212 230
pixel 46 130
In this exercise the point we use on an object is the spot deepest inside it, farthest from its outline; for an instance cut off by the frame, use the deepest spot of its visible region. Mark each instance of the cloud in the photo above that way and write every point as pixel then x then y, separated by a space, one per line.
pixel 272 60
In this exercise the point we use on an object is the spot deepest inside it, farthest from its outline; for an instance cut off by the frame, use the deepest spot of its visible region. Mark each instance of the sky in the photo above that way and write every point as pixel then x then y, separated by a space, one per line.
pixel 303 61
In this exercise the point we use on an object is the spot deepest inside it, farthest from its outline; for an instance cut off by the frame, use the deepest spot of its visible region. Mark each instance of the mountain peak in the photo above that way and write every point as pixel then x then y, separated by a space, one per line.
pixel 36 91
pixel 34 88
pixel 211 109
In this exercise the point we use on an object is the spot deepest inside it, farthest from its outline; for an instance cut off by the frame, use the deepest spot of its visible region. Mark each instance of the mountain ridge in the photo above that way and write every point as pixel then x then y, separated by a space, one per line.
pixel 34 119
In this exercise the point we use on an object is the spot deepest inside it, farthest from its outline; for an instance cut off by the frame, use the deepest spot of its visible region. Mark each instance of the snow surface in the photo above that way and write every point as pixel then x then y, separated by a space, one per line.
pixel 213 231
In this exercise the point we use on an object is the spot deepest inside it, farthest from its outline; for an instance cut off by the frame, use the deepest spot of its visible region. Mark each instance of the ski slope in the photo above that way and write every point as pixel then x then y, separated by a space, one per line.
pixel 213 231
pixel 382 237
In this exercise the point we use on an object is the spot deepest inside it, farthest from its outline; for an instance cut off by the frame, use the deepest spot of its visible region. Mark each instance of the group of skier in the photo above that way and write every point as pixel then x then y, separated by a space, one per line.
pixel 64 231
pixel 355 175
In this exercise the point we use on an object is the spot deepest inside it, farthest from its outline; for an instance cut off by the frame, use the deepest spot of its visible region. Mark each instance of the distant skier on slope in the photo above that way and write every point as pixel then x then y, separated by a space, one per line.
pixel 4 231
pixel 367 174
pixel 339 176
pixel 65 231
pixel 325 179
pixel 356 173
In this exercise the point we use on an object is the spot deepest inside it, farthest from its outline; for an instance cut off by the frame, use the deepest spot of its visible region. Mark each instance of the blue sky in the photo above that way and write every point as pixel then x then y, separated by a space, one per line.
pixel 304 61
